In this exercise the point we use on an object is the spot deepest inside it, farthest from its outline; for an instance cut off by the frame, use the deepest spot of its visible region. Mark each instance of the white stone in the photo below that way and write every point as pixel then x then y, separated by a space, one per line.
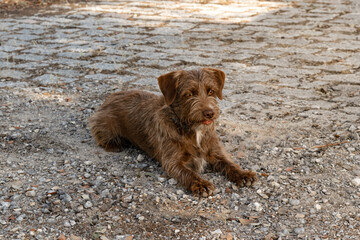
pixel 85 196
pixel 140 157
pixel 258 207
pixel 352 128
pixel 172 181
pixel 356 181
pixel 161 179
pixel 217 231
pixel 127 198
pixel 88 204
pixel 179 192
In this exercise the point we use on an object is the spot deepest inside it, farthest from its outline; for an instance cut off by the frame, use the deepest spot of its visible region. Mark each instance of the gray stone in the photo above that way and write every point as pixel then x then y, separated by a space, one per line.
pixel 299 230
pixel 172 181
pixel 127 198
pixel 50 79
pixel 74 55
pixel 294 202
pixel 9 84
pixel 352 128
pixel 161 179
pixel 9 73
pixel 30 57
pixel 25 37
pixel 146 81
pixel 107 66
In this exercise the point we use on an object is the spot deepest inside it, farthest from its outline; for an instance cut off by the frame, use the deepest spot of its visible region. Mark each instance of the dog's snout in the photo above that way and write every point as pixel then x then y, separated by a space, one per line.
pixel 208 113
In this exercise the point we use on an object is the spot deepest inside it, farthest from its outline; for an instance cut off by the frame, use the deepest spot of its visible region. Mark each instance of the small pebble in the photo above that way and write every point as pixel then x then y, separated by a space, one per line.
pixel 258 207
pixel 30 193
pixel 284 232
pixel 127 198
pixel 351 149
pixel 85 196
pixel 275 184
pixel 179 192
pixel 105 193
pixel 140 157
pixel 217 231
pixel 294 202
pixel 352 128
pixel 88 204
pixel 299 230
pixel 356 182
pixel 172 181
pixel 161 179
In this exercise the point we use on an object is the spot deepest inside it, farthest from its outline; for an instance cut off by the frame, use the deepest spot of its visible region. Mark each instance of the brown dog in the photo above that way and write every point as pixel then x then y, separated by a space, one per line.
pixel 177 129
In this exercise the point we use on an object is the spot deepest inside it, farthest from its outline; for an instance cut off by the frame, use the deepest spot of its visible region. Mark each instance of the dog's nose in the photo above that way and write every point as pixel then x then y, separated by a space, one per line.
pixel 208 113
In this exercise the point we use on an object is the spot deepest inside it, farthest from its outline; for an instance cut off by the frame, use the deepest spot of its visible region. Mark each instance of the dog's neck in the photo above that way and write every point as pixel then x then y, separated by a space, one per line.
pixel 181 126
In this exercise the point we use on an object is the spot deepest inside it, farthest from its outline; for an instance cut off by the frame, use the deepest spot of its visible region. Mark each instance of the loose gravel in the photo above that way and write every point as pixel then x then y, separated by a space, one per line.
pixel 290 112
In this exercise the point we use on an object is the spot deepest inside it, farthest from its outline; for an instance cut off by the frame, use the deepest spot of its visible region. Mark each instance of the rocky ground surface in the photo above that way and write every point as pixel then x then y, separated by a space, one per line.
pixel 291 113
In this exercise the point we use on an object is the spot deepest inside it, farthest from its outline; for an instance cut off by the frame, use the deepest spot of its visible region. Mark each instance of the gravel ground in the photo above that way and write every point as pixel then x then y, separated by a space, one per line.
pixel 290 112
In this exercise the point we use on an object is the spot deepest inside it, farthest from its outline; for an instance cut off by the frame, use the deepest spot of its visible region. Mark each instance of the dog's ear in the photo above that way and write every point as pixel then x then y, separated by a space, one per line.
pixel 168 84
pixel 220 79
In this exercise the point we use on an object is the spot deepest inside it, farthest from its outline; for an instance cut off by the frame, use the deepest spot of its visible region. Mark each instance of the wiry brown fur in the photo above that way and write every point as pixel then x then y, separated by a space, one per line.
pixel 172 128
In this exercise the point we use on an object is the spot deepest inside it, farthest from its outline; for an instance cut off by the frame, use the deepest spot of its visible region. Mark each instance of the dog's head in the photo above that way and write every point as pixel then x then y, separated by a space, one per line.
pixel 192 94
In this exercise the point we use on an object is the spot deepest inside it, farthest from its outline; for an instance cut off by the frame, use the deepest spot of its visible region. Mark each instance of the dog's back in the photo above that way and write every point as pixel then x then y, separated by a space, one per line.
pixel 125 116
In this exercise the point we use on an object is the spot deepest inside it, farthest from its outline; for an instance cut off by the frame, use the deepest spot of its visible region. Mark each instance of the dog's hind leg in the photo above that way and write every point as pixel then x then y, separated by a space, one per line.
pixel 106 132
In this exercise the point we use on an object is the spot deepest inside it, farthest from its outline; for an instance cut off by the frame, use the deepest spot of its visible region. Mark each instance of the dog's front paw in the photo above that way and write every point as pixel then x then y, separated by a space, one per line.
pixel 202 188
pixel 244 178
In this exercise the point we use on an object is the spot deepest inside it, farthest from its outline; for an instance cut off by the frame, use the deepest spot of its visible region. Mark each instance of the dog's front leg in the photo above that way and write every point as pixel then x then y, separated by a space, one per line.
pixel 188 177
pixel 220 161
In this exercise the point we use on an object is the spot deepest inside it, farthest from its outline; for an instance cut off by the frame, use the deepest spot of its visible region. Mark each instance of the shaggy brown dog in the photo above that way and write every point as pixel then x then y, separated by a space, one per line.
pixel 177 129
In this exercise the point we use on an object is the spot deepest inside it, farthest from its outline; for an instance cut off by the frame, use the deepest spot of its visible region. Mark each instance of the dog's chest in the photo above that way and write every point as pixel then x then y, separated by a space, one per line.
pixel 199 161
pixel 199 135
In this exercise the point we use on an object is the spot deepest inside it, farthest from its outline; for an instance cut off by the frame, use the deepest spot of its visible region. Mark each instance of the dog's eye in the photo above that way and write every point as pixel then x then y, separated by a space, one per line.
pixel 211 92
pixel 189 94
